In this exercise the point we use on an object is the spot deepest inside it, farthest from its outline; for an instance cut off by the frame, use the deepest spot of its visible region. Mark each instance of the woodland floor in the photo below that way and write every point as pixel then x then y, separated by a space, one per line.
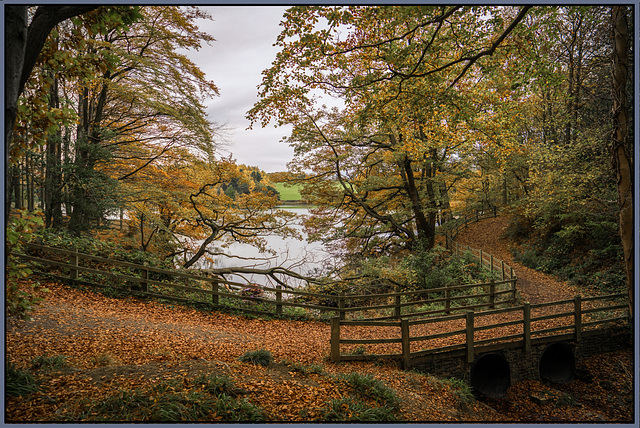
pixel 113 345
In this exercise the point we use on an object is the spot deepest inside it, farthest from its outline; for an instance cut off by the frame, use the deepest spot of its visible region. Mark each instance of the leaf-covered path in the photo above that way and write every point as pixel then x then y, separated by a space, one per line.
pixel 535 287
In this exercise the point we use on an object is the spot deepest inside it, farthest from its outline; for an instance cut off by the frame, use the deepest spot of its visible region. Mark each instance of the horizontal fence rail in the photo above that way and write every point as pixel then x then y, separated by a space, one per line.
pixel 193 286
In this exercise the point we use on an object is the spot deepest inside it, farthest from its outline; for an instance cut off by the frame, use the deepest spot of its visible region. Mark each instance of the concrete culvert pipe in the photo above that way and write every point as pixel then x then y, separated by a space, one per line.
pixel 490 375
pixel 557 363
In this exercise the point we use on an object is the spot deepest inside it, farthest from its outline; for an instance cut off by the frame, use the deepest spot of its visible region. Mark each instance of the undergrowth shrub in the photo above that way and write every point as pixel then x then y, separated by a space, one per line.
pixel 369 387
pixel 418 270
pixel 357 406
pixel 349 409
pixel 583 249
pixel 216 385
pixel 461 389
pixel 21 296
pixel 260 356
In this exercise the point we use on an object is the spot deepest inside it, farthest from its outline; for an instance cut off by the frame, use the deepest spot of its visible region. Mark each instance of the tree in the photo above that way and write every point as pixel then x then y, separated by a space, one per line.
pixel 219 218
pixel 23 43
pixel 384 163
pixel 145 105
pixel 134 97
pixel 621 140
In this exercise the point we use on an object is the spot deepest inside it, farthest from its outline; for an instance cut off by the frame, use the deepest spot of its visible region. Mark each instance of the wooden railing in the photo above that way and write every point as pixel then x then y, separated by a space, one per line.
pixel 522 329
pixel 565 324
pixel 188 286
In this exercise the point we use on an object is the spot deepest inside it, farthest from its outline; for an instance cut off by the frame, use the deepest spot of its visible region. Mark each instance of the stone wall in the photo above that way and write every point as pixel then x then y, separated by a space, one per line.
pixel 513 364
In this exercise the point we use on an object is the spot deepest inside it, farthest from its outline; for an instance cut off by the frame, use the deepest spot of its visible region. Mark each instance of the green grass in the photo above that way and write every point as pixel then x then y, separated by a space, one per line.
pixel 206 398
pixel 352 410
pixel 288 193
pixel 367 386
pixel 260 356
pixel 18 382
pixel 461 389
pixel 355 407
pixel 48 363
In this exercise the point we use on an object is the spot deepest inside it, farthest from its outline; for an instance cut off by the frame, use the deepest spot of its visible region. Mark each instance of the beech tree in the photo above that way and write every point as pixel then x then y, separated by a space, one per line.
pixel 133 97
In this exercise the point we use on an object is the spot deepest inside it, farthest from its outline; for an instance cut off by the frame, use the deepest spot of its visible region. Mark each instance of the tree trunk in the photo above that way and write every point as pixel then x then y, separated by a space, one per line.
pixel 15 186
pixel 15 34
pixel 422 224
pixel 29 176
pixel 620 141
pixel 53 172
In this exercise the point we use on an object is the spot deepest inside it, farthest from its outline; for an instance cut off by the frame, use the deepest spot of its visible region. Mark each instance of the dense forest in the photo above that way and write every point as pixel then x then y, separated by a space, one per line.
pixel 440 111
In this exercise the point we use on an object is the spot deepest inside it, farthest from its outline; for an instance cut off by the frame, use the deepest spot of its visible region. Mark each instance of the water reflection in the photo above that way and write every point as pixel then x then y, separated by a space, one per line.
pixel 300 256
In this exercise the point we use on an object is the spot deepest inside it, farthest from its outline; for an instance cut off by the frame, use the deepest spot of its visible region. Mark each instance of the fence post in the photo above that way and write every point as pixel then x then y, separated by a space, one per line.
pixel 526 326
pixel 492 294
pixel 397 309
pixel 144 285
pixel 578 317
pixel 513 287
pixel 279 300
pixel 74 262
pixel 470 355
pixel 502 268
pixel 335 339
pixel 447 302
pixel 341 305
pixel 406 348
pixel 481 259
pixel 215 298
pixel 491 263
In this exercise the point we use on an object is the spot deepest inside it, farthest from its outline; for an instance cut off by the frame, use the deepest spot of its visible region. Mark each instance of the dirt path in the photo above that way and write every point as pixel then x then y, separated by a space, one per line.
pixel 535 287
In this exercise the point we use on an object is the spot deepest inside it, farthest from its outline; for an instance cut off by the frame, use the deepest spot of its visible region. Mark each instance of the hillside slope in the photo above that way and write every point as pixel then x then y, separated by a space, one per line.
pixel 135 348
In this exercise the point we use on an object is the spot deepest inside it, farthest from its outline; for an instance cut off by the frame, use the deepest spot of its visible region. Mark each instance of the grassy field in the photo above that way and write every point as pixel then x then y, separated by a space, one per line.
pixel 288 193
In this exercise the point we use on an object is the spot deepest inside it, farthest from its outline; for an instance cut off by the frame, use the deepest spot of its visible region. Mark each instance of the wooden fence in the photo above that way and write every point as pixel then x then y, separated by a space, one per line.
pixel 487 260
pixel 555 323
pixel 190 287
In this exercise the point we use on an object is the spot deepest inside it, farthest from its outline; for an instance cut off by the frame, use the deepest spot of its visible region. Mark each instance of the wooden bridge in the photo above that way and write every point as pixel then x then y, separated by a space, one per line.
pixel 515 340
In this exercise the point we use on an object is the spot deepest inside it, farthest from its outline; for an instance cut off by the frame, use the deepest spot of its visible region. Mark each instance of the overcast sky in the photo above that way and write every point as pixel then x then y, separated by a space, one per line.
pixel 234 61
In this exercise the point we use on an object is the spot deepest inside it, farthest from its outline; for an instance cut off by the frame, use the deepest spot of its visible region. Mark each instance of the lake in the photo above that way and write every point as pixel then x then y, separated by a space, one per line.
pixel 299 256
